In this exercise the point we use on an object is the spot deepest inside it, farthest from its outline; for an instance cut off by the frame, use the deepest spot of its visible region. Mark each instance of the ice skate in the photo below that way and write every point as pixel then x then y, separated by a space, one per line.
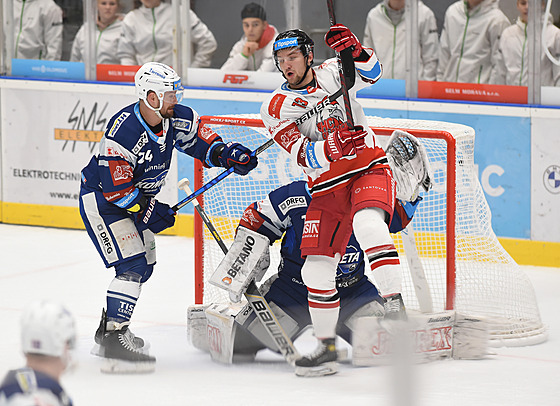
pixel 121 355
pixel 321 362
pixel 141 345
pixel 394 307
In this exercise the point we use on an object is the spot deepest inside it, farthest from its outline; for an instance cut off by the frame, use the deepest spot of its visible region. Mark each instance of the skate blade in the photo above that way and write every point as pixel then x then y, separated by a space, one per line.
pixel 328 368
pixel 97 351
pixel 118 366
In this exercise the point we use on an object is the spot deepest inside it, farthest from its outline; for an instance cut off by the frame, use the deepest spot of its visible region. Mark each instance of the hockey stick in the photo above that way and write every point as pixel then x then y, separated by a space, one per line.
pixel 421 286
pixel 217 179
pixel 254 296
pixel 344 58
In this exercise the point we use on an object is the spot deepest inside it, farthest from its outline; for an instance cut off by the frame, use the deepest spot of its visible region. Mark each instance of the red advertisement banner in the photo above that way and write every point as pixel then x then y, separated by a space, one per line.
pixel 472 92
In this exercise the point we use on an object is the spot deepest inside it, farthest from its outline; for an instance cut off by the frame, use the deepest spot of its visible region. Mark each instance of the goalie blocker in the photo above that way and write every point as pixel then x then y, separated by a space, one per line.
pixel 247 259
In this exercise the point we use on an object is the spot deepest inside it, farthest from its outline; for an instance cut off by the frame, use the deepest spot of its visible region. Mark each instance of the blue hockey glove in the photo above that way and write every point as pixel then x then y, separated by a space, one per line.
pixel 156 217
pixel 237 156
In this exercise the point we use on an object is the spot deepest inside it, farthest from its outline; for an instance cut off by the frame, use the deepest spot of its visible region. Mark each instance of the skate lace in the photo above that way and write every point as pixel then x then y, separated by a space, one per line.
pixel 321 349
pixel 126 337
pixel 393 305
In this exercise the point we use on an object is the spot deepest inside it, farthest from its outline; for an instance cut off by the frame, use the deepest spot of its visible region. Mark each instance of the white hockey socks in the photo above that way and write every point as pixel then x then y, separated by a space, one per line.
pixel 318 274
pixel 121 298
pixel 372 233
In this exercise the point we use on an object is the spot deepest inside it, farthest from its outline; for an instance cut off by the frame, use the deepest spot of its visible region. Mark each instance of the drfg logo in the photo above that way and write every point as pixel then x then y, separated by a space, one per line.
pixel 235 79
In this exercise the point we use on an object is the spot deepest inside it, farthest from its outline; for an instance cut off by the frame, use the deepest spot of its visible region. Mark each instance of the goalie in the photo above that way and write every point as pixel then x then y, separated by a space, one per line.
pixel 282 213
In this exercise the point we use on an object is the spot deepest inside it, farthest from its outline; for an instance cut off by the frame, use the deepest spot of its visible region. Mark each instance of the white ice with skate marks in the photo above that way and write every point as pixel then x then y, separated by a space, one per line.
pixel 63 265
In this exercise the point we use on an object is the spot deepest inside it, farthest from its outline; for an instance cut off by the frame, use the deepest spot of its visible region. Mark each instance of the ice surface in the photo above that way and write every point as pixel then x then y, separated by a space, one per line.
pixel 62 265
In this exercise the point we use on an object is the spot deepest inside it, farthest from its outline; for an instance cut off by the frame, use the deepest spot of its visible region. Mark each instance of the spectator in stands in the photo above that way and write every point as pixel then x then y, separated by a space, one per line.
pixel 469 41
pixel 72 20
pixel 385 32
pixel 513 55
pixel 147 36
pixel 37 30
pixel 109 26
pixel 254 50
pixel 48 336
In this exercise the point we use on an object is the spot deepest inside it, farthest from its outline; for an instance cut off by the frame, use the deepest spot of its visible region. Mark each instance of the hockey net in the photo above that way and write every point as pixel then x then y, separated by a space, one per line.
pixel 466 268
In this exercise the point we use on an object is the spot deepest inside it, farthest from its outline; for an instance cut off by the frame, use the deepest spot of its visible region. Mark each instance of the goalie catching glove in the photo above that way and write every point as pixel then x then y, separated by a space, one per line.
pixel 247 259
pixel 345 142
pixel 410 166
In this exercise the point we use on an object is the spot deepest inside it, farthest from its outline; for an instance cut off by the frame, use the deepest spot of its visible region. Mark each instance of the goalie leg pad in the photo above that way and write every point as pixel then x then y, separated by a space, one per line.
pixel 197 326
pixel 431 337
pixel 471 337
pixel 221 330
pixel 247 259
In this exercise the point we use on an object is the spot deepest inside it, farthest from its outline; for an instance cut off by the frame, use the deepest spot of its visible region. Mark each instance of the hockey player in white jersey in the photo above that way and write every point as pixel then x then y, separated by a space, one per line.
pixel 48 337
pixel 349 178
pixel 118 204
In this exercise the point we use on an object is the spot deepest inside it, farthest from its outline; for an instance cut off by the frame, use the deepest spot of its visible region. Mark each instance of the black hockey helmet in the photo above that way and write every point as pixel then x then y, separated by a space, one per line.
pixel 290 39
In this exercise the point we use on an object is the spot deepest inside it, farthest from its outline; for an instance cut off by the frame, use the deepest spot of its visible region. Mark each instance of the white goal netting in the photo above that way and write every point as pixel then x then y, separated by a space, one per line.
pixel 466 267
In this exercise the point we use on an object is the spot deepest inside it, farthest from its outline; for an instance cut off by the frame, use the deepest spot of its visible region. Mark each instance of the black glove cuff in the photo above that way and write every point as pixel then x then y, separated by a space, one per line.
pixel 216 153
pixel 363 57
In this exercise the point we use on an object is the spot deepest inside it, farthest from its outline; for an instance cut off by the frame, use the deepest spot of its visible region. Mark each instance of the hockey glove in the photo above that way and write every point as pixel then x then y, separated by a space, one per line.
pixel 344 142
pixel 339 38
pixel 237 156
pixel 156 217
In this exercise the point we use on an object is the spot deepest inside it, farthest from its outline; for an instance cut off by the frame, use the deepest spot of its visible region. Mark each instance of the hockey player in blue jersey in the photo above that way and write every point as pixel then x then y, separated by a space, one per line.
pixel 48 337
pixel 118 204
pixel 281 215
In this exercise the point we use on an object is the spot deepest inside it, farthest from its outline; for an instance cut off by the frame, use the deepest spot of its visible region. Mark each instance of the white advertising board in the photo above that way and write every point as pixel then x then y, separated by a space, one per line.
pixel 48 136
pixel 545 176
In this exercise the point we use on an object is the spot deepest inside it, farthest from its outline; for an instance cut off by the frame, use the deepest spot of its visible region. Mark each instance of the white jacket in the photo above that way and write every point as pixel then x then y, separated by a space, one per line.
pixel 389 42
pixel 513 56
pixel 261 60
pixel 469 42
pixel 40 34
pixel 106 43
pixel 139 44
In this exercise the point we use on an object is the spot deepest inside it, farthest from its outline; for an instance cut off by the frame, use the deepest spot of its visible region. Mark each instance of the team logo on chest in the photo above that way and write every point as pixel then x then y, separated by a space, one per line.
pixel 330 119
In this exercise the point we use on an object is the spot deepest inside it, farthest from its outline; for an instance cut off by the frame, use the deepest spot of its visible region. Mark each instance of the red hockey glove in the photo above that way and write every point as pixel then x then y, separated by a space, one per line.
pixel 344 142
pixel 340 38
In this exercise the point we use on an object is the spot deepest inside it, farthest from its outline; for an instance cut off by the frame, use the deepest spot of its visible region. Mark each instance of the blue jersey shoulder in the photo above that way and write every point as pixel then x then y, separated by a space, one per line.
pixel 291 200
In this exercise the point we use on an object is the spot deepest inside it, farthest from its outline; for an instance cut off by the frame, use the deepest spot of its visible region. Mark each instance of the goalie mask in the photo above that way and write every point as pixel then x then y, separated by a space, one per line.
pixel 48 329
pixel 409 163
pixel 160 79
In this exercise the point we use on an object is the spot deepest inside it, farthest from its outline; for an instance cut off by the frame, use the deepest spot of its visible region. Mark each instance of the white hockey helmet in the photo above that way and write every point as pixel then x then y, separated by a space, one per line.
pixel 160 79
pixel 47 328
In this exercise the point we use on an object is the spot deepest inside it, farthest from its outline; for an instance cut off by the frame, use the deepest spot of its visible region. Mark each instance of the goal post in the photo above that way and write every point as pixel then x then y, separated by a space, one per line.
pixel 465 266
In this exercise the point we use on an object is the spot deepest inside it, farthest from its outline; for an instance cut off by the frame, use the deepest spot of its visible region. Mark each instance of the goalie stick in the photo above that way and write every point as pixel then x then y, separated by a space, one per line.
pixel 254 296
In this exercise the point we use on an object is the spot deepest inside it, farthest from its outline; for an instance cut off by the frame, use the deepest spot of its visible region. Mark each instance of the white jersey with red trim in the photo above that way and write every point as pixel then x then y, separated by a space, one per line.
pixel 299 121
